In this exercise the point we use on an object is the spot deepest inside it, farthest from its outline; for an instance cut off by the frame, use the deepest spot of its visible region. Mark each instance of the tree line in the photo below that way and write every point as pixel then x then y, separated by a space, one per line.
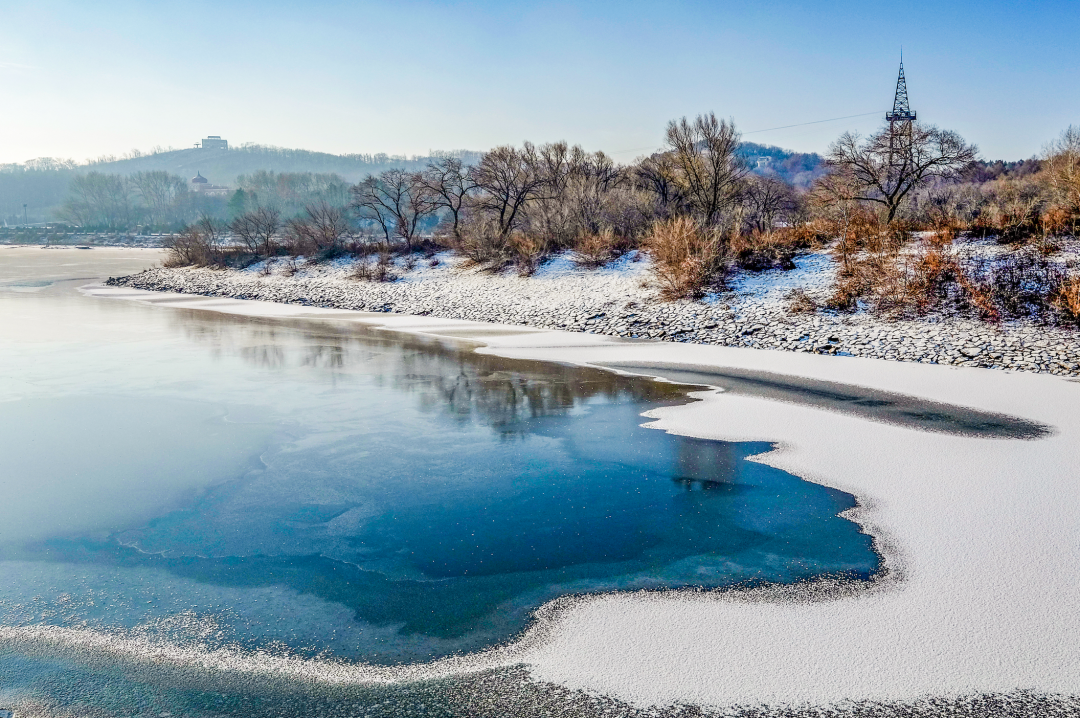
pixel 519 204
pixel 697 208
pixel 160 201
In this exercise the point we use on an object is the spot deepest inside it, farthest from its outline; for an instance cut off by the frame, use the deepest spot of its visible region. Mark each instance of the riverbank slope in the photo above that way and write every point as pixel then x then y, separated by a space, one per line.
pixel 618 300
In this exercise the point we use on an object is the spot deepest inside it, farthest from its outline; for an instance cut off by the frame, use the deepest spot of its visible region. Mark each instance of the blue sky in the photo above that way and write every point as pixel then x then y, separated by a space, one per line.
pixel 83 79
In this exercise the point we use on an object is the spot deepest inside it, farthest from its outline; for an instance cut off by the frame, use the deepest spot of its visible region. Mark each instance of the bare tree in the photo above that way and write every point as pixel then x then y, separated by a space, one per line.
pixel 258 228
pixel 886 167
pixel 657 174
pixel 96 198
pixel 159 192
pixel 706 167
pixel 1012 207
pixel 211 228
pixel 320 229
pixel 448 183
pixel 507 179
pixel 1062 161
pixel 767 199
pixel 836 197
pixel 590 194
pixel 550 217
pixel 396 200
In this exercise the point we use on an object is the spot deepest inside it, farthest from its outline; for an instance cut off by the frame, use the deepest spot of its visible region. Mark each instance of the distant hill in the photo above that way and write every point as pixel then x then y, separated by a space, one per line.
pixel 797 168
pixel 42 184
pixel 224 166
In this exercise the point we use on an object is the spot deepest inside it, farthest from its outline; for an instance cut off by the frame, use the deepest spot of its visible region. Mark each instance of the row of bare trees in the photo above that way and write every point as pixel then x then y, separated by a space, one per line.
pixel 695 205
pixel 521 203
pixel 117 202
pixel 321 230
pixel 1031 200
pixel 517 205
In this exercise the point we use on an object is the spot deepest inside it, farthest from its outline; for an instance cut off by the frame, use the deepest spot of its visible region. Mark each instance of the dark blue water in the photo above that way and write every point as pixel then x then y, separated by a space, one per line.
pixel 321 489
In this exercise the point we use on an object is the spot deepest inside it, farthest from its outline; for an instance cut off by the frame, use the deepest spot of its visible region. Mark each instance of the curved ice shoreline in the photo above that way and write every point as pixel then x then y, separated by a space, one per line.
pixel 979 536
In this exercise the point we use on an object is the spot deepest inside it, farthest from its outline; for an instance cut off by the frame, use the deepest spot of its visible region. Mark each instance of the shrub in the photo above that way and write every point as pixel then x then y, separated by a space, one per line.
pixel 595 249
pixel 868 252
pixel 773 249
pixel 481 242
pixel 929 277
pixel 528 251
pixel 320 231
pixel 1018 284
pixel 1066 299
pixel 799 302
pixel 687 258
pixel 192 248
pixel 858 279
pixel 809 235
pixel 379 271
pixel 1010 209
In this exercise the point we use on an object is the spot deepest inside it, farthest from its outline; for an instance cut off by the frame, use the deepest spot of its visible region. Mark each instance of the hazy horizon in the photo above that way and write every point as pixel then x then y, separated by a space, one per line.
pixel 81 82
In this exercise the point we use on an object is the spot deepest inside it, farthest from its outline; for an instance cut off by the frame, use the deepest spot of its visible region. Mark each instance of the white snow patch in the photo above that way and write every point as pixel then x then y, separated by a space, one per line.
pixel 813 273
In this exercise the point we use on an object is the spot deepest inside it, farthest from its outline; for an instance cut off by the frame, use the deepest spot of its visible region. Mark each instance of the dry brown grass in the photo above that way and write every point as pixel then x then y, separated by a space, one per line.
pixel 873 267
pixel 1067 298
pixel 980 295
pixel 528 251
pixel 687 258
pixel 757 251
pixel 595 249
pixel 935 277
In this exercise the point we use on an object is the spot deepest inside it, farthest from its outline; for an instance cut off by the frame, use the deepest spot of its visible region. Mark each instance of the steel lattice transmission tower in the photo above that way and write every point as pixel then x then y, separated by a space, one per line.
pixel 900 119
pixel 901 111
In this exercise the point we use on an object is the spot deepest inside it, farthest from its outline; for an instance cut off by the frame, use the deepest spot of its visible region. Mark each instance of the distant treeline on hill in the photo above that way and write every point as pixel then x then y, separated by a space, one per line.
pixel 43 184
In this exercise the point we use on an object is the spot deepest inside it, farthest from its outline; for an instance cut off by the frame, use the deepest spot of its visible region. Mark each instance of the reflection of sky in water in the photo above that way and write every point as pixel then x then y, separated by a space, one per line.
pixel 221 480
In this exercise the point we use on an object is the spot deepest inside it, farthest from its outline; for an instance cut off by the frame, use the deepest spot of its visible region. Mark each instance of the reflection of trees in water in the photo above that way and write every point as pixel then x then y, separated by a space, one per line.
pixel 270 356
pixel 324 356
pixel 446 377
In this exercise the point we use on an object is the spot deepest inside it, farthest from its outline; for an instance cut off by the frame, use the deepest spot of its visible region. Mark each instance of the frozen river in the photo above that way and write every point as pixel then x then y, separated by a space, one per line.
pixel 316 490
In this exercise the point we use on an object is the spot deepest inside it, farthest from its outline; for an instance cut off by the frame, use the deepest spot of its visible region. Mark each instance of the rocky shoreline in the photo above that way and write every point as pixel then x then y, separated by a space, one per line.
pixel 617 303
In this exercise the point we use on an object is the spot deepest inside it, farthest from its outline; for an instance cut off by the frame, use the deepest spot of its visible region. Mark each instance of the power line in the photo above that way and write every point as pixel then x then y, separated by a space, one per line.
pixel 770 129
pixel 815 122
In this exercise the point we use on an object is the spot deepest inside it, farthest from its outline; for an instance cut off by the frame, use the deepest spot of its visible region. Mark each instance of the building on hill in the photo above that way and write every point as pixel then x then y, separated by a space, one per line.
pixel 214 142
pixel 201 185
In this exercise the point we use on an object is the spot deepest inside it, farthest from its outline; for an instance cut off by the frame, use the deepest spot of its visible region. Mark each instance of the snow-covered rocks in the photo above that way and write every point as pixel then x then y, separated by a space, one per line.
pixel 618 301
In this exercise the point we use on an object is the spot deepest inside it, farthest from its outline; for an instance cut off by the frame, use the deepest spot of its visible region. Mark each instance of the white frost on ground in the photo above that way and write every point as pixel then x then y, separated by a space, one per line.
pixel 980 537
pixel 814 273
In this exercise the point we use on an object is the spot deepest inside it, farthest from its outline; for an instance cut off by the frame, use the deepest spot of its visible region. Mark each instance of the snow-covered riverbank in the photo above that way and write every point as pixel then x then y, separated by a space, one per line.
pixel 975 616
pixel 617 301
